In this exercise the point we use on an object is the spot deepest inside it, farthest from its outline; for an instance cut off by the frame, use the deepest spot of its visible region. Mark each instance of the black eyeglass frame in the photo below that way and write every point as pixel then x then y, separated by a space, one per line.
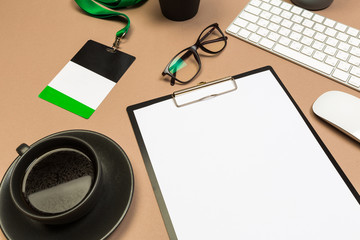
pixel 193 49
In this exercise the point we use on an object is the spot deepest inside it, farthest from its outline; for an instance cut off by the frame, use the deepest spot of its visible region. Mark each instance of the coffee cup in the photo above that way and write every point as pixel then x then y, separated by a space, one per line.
pixel 57 180
pixel 179 10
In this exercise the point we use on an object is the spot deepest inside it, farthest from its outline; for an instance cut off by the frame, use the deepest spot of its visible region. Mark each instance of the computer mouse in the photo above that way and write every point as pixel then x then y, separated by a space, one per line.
pixel 312 4
pixel 341 110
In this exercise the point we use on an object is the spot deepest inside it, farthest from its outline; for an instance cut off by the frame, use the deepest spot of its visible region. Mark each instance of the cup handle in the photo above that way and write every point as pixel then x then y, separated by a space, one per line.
pixel 22 148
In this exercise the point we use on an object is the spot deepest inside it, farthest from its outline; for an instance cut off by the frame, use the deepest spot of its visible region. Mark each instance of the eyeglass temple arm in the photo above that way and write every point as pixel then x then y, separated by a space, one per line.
pixel 207 34
pixel 172 81
pixel 215 40
pixel 212 40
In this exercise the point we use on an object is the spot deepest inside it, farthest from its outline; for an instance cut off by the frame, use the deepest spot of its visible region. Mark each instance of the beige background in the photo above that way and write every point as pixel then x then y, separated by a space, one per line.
pixel 37 38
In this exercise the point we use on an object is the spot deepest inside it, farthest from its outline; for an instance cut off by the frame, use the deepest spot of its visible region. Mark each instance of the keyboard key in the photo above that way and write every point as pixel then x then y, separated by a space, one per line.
pixel 309 32
pixel 355 71
pixel 296 46
pixel 318 45
pixel 307 14
pixel 319 27
pixel 354 41
pixel 286 6
pixel 265 15
pixel 263 22
pixel 275 19
pixel 331 60
pixel 273 27
pixel 330 32
pixel 265 6
pixel 234 29
pixel 295 36
pixel 244 33
pixel 296 10
pixel 284 41
pixel 354 60
pixel 308 23
pixel 354 81
pixel 306 60
pixel 276 2
pixel 267 43
pixel 317 18
pixel 342 36
pixel 250 17
pixel 263 32
pixel 284 31
pixel 319 55
pixel 286 15
pixel 286 23
pixel 275 10
pixel 253 10
pixel 331 41
pixel 297 18
pixel 252 27
pixel 330 50
pixel 274 36
pixel 344 46
pixel 297 28
pixel 255 3
pixel 352 31
pixel 340 27
pixel 307 50
pixel 329 23
pixel 343 76
pixel 344 66
pixel 355 51
pixel 306 40
pixel 342 55
pixel 254 37
pixel 241 22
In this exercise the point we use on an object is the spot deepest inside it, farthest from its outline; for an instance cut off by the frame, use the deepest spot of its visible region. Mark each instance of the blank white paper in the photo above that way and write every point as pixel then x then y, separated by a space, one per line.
pixel 245 165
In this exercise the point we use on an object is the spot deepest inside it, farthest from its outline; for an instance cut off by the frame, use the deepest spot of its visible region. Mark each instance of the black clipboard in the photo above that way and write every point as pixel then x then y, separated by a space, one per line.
pixel 148 161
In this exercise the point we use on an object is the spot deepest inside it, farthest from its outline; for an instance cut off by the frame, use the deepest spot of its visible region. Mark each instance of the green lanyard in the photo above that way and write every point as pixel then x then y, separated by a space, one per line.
pixel 95 10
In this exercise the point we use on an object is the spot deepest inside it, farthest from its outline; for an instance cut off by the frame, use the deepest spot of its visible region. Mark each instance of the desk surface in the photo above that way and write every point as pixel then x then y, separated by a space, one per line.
pixel 38 39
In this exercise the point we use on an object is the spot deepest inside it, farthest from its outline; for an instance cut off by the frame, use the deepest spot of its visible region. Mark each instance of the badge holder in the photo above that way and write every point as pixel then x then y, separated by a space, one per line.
pixel 89 76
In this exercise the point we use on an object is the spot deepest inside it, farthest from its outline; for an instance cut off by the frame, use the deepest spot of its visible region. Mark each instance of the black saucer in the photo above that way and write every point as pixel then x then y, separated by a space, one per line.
pixel 101 221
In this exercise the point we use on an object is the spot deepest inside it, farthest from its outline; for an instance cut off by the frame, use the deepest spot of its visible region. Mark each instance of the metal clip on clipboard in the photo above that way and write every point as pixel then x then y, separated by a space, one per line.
pixel 221 84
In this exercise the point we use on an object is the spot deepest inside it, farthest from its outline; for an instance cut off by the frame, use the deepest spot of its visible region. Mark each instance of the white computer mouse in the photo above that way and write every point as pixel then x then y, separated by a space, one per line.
pixel 341 110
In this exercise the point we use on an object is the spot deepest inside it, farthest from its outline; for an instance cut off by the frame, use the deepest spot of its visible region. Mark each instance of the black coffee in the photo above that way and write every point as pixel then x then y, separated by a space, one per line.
pixel 58 180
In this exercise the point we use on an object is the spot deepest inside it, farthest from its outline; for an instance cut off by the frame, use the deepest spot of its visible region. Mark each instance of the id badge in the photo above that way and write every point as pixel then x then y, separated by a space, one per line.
pixel 87 79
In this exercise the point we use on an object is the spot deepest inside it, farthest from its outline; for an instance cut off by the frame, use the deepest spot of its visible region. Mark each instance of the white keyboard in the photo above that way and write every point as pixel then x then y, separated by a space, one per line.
pixel 308 39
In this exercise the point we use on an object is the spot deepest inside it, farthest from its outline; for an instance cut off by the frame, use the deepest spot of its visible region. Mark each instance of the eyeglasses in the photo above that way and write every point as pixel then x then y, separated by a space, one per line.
pixel 186 65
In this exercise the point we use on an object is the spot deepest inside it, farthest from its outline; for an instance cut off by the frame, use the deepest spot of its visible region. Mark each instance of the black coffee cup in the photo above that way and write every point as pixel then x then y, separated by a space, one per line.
pixel 56 181
pixel 179 10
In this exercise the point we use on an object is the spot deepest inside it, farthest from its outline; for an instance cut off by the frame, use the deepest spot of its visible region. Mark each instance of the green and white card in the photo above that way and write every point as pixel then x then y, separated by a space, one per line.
pixel 87 79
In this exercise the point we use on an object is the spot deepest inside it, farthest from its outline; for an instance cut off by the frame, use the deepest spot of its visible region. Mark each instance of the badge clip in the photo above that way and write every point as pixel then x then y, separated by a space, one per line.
pixel 116 43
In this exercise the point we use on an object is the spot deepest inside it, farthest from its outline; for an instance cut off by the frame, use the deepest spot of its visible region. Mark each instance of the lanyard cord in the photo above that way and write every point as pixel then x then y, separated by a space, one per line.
pixel 96 10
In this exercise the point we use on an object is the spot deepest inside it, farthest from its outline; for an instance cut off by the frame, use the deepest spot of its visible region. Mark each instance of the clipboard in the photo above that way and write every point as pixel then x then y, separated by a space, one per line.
pixel 242 162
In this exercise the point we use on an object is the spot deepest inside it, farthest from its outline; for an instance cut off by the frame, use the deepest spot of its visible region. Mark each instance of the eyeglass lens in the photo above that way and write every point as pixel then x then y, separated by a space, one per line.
pixel 184 66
